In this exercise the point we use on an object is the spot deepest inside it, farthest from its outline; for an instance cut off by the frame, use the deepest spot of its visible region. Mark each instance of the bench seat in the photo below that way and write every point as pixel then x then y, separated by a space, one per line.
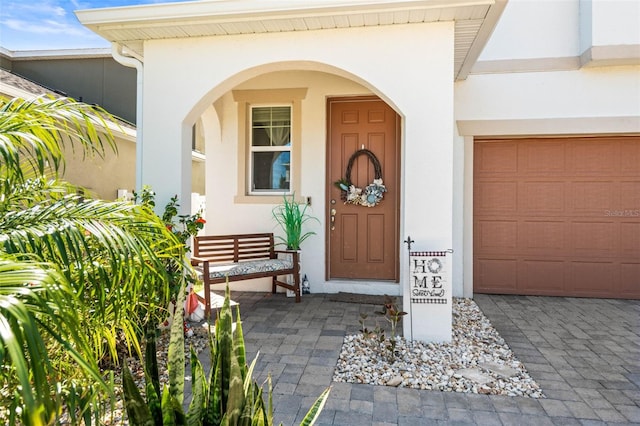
pixel 247 268
pixel 222 258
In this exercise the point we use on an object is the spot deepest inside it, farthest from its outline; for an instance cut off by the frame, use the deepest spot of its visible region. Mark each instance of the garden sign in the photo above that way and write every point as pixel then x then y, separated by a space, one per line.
pixel 429 295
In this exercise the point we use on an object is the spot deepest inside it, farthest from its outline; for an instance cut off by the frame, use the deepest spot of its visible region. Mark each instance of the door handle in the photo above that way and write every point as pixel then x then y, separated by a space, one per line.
pixel 333 219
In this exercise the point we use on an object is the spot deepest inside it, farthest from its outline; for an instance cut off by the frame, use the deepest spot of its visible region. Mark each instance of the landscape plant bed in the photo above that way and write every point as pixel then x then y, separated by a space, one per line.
pixel 114 411
pixel 477 360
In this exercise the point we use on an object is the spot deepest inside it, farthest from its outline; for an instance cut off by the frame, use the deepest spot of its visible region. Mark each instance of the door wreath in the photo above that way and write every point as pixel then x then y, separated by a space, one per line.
pixel 372 194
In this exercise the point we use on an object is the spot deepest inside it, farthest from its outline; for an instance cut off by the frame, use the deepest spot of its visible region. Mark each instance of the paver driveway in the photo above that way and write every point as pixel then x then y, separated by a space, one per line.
pixel 585 354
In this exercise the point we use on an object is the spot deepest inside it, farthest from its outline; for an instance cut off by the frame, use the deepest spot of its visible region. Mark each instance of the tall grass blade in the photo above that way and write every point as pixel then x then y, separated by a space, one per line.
pixel 168 414
pixel 238 344
pixel 151 358
pixel 315 410
pixel 175 357
pixel 196 412
pixel 153 400
pixel 235 400
pixel 214 410
pixel 224 338
pixel 137 410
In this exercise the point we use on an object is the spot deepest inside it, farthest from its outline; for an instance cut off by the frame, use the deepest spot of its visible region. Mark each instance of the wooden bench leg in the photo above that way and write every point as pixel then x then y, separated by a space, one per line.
pixel 296 281
pixel 296 276
pixel 207 298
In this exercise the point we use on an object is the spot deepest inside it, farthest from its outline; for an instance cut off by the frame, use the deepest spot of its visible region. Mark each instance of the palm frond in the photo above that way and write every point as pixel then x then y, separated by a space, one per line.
pixel 114 253
pixel 94 273
pixel 33 133
pixel 35 299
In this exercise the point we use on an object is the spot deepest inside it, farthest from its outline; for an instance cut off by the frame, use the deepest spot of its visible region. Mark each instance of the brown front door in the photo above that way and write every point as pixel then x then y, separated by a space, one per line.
pixel 362 242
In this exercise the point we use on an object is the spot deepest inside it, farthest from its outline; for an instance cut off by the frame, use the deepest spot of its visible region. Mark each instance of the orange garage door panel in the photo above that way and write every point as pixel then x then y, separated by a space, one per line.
pixel 557 217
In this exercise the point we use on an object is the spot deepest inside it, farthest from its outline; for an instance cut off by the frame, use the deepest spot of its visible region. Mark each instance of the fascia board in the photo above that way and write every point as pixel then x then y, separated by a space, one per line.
pixel 225 11
pixel 23 55
pixel 487 28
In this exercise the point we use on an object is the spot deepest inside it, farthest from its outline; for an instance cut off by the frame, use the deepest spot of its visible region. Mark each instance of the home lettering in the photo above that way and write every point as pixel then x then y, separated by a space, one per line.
pixel 420 266
pixel 419 283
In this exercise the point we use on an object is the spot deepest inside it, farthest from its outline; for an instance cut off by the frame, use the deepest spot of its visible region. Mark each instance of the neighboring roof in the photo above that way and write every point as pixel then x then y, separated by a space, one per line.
pixel 23 55
pixel 131 26
pixel 15 86
pixel 19 87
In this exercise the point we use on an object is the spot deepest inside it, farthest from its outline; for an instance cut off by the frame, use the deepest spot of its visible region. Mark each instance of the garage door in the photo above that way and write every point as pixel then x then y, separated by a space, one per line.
pixel 557 217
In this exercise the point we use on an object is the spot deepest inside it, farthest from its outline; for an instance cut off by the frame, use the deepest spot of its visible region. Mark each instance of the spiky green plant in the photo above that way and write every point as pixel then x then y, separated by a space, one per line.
pixel 291 216
pixel 228 396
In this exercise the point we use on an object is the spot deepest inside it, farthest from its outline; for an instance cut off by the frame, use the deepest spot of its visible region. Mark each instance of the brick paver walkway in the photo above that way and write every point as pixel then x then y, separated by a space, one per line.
pixel 584 353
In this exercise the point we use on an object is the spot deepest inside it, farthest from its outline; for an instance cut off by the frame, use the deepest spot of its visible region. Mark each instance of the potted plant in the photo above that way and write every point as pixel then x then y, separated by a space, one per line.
pixel 291 216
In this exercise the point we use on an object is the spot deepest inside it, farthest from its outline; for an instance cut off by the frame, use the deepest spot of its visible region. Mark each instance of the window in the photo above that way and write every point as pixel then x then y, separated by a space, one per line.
pixel 270 157
pixel 269 144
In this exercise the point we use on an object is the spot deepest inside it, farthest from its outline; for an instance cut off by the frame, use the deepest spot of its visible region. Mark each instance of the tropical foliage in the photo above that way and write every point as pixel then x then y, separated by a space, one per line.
pixel 83 281
pixel 183 228
pixel 226 396
pixel 291 216
pixel 80 279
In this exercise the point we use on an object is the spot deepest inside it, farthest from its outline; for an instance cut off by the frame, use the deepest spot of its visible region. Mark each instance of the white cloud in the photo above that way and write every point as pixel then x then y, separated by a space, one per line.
pixel 42 18
pixel 42 24
pixel 45 8
pixel 46 26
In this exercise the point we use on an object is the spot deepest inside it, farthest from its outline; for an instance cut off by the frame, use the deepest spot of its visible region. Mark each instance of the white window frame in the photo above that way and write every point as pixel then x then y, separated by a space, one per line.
pixel 267 97
pixel 283 148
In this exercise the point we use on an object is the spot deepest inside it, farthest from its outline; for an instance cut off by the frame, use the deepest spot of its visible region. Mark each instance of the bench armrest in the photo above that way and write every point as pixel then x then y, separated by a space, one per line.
pixel 294 253
pixel 195 261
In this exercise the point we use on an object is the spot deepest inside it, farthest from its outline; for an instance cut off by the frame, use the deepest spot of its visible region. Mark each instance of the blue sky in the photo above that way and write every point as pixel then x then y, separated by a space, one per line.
pixel 51 24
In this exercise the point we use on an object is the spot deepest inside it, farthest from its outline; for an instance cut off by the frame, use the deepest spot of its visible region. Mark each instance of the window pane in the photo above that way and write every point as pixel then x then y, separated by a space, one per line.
pixel 280 136
pixel 271 171
pixel 261 116
pixel 281 116
pixel 260 137
pixel 271 126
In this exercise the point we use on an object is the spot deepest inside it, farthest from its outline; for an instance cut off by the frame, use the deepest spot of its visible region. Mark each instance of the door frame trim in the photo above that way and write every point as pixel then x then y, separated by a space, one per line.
pixel 398 217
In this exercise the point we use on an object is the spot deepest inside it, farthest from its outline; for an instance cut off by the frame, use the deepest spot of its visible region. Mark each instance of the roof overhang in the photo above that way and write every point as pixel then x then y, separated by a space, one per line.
pixel 133 25
pixel 30 55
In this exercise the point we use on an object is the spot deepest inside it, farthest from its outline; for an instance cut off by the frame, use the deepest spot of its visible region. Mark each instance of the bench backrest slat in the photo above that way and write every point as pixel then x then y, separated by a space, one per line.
pixel 234 248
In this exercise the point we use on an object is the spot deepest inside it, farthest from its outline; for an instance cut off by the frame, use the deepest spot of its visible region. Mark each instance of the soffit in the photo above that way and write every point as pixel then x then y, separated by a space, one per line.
pixel 132 26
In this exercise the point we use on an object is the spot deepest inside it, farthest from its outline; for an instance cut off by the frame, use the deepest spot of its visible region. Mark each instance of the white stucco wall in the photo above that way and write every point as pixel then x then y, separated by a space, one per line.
pixel 409 66
pixel 615 22
pixel 559 32
pixel 535 29
pixel 590 92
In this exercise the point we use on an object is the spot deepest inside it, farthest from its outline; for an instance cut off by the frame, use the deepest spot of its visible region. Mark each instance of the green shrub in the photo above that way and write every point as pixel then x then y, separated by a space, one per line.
pixel 228 396
pixel 291 216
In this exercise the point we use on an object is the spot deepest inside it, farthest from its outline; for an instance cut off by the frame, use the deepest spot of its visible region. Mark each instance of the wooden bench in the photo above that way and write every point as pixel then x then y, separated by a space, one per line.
pixel 243 257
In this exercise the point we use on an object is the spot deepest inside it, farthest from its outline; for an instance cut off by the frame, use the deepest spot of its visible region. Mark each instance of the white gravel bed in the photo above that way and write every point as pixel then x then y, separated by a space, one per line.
pixel 459 366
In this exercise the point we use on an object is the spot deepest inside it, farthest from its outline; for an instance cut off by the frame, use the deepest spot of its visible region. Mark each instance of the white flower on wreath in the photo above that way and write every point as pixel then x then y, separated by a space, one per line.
pixel 354 194
pixel 369 197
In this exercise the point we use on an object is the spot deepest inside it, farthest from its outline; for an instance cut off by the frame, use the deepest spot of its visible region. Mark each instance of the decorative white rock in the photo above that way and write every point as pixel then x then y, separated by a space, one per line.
pixel 475 344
